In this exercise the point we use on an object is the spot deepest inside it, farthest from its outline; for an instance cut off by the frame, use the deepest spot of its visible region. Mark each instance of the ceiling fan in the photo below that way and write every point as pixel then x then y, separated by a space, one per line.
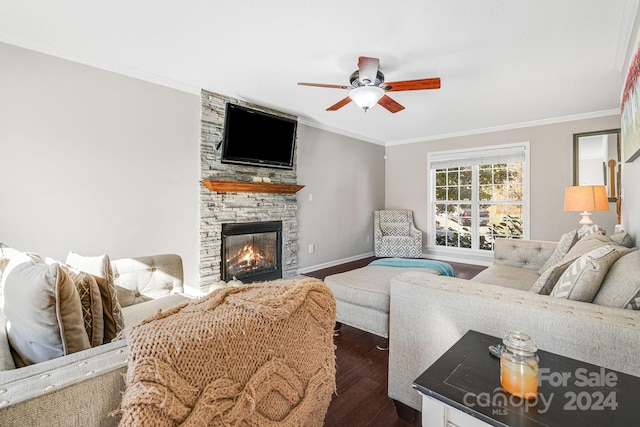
pixel 368 87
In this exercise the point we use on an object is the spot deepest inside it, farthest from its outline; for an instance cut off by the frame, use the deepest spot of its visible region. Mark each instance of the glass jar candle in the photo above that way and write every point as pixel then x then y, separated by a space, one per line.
pixel 519 365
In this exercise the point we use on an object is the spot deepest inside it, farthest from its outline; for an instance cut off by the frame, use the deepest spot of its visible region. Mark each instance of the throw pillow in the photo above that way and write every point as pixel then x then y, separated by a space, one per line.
pixel 3 264
pixel 8 251
pixel 586 245
pixel 547 280
pixel 395 228
pixel 100 268
pixel 582 279
pixel 591 230
pixel 566 242
pixel 43 311
pixel 621 286
pixel 90 299
pixel 623 238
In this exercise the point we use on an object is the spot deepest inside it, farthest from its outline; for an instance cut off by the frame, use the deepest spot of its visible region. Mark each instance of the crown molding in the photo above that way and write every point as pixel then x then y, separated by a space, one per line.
pixel 543 122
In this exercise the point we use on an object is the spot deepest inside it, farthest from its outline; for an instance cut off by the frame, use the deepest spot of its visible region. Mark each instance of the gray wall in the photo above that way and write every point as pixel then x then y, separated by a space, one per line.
pixel 551 162
pixel 345 176
pixel 96 162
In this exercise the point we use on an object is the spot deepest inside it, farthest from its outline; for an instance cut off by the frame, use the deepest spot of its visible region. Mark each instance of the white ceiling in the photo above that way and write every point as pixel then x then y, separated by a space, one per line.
pixel 502 62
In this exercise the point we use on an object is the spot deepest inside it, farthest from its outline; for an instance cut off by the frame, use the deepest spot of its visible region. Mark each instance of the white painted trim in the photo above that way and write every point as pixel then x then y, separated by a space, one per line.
pixel 526 205
pixel 543 122
pixel 473 258
pixel 334 263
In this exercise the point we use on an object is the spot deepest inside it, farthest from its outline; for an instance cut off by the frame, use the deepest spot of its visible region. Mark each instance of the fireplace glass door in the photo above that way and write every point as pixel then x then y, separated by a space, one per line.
pixel 251 251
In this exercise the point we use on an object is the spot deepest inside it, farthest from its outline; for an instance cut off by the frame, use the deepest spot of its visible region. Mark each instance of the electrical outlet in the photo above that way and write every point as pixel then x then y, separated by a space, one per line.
pixel 368 239
pixel 311 248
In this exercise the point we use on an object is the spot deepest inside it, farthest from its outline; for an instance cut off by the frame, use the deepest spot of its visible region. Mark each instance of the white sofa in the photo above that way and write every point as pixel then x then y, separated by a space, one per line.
pixel 85 387
pixel 429 313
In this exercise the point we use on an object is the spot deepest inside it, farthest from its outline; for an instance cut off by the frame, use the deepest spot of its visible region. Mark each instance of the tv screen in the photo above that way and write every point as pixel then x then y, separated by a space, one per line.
pixel 253 137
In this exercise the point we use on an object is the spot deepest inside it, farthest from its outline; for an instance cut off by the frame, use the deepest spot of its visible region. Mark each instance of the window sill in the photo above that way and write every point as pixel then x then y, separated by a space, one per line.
pixel 466 256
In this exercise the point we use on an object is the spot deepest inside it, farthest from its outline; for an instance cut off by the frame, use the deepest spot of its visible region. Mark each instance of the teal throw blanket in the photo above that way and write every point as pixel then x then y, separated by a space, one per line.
pixel 444 268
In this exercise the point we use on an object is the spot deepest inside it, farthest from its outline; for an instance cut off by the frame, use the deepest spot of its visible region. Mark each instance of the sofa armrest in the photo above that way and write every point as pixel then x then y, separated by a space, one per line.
pixel 429 313
pixel 79 389
pixel 414 232
pixel 531 254
pixel 150 277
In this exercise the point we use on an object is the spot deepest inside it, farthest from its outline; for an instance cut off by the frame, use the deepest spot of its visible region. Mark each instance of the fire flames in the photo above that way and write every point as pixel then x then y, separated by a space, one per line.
pixel 246 260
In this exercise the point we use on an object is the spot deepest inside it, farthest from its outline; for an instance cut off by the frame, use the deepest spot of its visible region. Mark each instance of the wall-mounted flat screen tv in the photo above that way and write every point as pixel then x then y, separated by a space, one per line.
pixel 253 137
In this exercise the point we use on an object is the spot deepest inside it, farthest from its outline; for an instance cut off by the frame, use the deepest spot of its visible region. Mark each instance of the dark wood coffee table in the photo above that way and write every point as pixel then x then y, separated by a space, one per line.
pixel 463 387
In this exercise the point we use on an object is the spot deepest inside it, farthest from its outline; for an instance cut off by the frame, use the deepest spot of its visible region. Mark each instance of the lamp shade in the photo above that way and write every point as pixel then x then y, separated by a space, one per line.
pixel 586 198
pixel 366 96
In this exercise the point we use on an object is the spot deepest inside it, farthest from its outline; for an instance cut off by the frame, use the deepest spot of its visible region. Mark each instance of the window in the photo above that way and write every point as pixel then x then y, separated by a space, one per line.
pixel 478 196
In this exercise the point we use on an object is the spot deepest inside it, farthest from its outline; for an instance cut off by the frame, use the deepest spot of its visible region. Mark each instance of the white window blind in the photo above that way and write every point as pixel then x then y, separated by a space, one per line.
pixel 453 159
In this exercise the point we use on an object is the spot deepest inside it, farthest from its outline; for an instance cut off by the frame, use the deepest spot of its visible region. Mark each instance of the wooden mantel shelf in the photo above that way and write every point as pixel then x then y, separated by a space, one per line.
pixel 251 187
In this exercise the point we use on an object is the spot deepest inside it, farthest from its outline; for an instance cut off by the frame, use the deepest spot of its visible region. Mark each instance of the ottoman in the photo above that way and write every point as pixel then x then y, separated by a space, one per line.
pixel 362 295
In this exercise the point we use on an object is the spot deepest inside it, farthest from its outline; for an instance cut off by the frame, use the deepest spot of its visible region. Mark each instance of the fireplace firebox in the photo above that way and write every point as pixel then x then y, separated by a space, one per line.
pixel 252 251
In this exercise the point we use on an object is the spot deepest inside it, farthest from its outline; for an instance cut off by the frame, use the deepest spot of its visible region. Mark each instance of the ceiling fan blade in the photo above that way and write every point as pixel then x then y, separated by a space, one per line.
pixel 339 104
pixel 325 85
pixel 368 69
pixel 418 84
pixel 390 104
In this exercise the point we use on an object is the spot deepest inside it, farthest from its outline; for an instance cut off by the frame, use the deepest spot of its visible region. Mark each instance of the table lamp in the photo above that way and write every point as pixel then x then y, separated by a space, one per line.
pixel 585 199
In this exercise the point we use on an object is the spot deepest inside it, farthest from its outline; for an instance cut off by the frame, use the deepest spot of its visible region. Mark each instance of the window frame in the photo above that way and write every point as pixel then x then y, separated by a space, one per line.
pixel 470 255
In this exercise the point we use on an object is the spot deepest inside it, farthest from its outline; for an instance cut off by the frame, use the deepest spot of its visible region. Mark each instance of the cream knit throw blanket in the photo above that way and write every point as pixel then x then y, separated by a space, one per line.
pixel 256 355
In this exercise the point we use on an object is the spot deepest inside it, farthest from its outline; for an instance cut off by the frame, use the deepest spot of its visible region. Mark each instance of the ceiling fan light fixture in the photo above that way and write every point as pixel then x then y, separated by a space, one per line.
pixel 366 96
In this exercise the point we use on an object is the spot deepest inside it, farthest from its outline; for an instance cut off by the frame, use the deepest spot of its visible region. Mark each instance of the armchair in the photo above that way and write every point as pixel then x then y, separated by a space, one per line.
pixel 395 234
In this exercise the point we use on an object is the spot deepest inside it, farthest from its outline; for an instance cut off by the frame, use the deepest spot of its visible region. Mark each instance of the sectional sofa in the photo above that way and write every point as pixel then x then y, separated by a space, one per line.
pixel 429 313
pixel 85 387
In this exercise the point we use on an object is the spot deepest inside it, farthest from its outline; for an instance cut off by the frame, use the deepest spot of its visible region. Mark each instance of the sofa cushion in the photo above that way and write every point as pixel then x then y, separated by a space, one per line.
pixel 566 242
pixel 43 311
pixel 621 286
pixel 148 277
pixel 100 268
pixel 582 279
pixel 507 276
pixel 368 286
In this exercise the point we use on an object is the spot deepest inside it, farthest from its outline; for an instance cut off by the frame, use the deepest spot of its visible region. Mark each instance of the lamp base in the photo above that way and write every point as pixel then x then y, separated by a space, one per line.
pixel 586 219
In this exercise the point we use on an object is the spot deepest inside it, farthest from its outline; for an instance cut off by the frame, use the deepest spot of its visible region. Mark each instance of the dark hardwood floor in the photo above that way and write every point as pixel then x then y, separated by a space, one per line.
pixel 361 379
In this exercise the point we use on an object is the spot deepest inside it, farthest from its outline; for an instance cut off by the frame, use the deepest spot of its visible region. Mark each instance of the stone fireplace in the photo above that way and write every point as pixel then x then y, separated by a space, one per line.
pixel 252 251
pixel 240 201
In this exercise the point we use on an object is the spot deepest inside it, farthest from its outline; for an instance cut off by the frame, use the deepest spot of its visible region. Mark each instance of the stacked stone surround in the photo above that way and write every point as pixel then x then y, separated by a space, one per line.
pixel 218 208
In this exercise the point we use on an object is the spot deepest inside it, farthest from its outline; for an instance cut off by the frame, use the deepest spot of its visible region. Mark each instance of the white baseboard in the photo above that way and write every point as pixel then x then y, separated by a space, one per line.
pixel 333 263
